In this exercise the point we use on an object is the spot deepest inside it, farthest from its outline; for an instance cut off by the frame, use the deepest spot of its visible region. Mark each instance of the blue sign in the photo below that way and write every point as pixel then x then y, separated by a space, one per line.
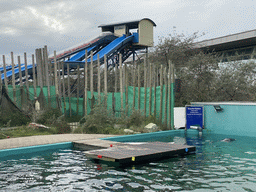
pixel 194 116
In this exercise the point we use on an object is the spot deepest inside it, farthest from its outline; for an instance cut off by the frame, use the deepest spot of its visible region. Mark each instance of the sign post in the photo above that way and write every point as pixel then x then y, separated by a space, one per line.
pixel 194 117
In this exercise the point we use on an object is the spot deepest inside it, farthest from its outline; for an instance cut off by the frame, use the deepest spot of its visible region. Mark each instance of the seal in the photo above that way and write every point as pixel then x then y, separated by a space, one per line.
pixel 228 140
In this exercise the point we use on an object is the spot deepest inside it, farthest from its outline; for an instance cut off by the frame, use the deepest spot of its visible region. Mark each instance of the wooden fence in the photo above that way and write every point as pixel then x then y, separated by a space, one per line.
pixel 141 85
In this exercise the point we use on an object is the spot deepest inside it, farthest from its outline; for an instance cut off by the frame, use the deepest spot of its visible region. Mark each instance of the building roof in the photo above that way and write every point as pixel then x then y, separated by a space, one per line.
pixel 238 40
pixel 129 24
pixel 225 103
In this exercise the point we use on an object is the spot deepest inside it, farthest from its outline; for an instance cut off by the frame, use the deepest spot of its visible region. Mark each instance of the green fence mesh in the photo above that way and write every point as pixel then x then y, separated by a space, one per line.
pixel 76 106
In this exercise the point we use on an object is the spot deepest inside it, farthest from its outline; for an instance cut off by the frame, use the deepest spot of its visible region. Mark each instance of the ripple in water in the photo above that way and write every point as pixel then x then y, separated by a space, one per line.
pixel 216 166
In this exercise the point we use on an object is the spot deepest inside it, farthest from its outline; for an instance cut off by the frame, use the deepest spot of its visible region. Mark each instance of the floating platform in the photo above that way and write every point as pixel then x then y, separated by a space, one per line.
pixel 138 152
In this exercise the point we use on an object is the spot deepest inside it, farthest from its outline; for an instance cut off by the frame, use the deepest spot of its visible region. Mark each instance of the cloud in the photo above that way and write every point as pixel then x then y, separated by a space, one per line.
pixel 26 25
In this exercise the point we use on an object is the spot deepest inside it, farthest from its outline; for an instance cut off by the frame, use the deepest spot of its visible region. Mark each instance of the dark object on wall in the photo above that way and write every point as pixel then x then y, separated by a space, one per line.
pixel 217 108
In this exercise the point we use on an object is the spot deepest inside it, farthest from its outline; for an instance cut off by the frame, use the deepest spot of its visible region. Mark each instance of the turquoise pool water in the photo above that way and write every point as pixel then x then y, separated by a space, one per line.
pixel 216 166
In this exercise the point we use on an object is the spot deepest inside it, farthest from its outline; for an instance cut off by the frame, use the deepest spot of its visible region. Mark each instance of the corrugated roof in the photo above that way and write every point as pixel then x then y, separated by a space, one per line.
pixel 237 40
pixel 129 24
pixel 225 103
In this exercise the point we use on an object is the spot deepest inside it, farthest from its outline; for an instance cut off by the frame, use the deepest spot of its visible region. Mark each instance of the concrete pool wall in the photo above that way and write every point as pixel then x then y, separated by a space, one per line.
pixel 34 149
pixel 150 136
pixel 235 118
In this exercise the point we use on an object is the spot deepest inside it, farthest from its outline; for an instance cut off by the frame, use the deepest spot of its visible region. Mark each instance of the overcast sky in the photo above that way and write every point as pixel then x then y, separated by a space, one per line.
pixel 29 24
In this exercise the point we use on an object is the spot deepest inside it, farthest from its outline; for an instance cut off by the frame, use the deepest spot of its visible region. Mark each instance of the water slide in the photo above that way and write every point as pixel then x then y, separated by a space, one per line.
pixel 109 49
pixel 103 38
pixel 81 55
pixel 16 71
pixel 9 67
pixel 75 60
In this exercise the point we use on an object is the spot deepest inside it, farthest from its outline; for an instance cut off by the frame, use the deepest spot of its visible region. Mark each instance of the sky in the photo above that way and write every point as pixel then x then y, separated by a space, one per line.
pixel 26 25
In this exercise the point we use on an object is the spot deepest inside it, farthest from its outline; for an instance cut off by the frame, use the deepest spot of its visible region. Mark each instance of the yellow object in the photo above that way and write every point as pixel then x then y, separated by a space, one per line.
pixel 133 158
pixel 37 106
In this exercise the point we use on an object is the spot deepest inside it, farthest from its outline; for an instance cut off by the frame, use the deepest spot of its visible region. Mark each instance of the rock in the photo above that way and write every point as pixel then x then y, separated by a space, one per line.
pixel 151 127
pixel 36 125
pixel 128 131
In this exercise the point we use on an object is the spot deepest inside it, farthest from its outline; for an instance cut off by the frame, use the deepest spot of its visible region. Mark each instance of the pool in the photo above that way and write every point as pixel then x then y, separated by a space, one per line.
pixel 216 166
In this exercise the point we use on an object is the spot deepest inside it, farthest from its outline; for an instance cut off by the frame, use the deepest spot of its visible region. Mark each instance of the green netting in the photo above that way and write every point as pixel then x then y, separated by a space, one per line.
pixel 76 107
pixel 142 98
pixel 22 97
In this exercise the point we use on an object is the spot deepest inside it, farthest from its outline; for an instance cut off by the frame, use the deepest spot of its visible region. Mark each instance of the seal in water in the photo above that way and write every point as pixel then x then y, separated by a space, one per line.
pixel 228 140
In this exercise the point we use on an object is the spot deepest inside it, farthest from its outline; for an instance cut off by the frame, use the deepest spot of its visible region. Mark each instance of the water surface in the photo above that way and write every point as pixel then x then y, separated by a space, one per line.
pixel 216 166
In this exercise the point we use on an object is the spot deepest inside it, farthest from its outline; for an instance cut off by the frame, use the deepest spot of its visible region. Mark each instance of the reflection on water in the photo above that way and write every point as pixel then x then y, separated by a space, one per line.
pixel 216 166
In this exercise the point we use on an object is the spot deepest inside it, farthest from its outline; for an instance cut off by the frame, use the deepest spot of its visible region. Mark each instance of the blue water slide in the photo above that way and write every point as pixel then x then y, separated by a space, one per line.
pixel 111 47
pixel 9 67
pixel 16 71
pixel 80 55
pixel 107 50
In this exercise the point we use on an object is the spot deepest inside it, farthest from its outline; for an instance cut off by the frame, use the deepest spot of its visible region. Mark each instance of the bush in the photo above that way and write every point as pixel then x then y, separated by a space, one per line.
pixel 136 119
pixel 25 131
pixel 62 127
pixel 13 119
pixel 54 119
pixel 73 118
pixel 49 116
pixel 99 120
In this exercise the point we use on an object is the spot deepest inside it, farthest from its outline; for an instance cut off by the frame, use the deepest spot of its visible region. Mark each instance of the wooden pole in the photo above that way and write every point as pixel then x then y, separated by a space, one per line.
pixel 99 97
pixel 169 94
pixel 166 99
pixel 47 75
pixel 115 78
pixel 21 83
pixel 5 76
pixel 157 80
pixel 139 87
pixel 126 72
pixel 43 66
pixel 13 79
pixel 78 89
pixel 125 82
pixel 34 75
pixel 105 76
pixel 56 80
pixel 50 73
pixel 59 78
pixel 59 84
pixel 56 75
pixel 69 97
pixel 145 86
pixel 172 94
pixel 20 75
pixel 161 93
pixel 154 82
pixel 91 75
pixel 150 88
pixel 64 90
pixel 85 82
pixel 37 66
pixel 134 81
pixel 26 74
pixel 40 68
pixel 148 69
pixel 121 80
pixel 26 70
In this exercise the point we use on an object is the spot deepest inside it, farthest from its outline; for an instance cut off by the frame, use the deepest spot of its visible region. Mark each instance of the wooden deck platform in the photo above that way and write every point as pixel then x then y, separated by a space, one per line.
pixel 133 153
